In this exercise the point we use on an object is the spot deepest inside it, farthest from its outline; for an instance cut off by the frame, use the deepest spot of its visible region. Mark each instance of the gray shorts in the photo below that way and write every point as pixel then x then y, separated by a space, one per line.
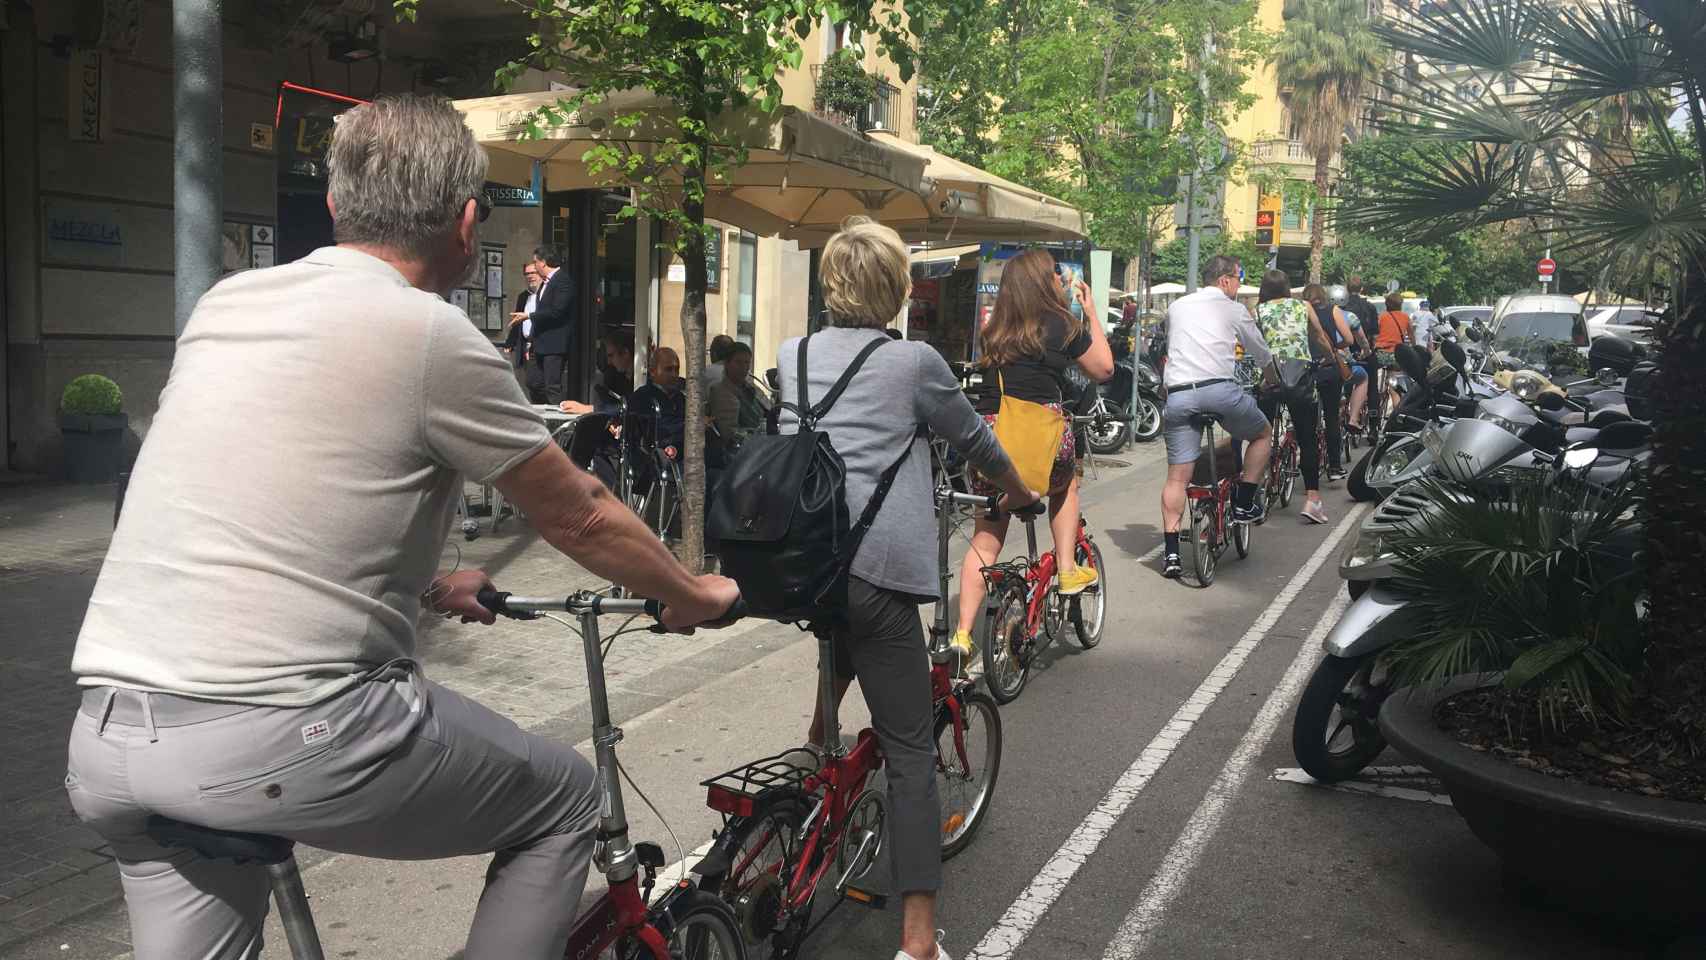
pixel 1239 416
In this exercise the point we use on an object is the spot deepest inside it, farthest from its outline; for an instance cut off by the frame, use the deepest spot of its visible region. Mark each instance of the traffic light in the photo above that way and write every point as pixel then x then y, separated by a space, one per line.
pixel 1265 236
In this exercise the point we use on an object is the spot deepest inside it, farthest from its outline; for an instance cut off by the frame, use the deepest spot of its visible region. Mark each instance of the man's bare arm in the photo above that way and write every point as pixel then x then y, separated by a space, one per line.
pixel 577 516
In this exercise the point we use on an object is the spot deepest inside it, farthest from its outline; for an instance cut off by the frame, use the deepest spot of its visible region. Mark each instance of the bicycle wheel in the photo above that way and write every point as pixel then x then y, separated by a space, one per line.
pixel 966 787
pixel 1241 538
pixel 1288 468
pixel 1088 608
pixel 1273 484
pixel 1203 536
pixel 697 926
pixel 765 854
pixel 1002 633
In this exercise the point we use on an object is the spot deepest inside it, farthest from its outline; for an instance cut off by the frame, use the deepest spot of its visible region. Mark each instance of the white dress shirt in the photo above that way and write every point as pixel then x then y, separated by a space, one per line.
pixel 1202 331
pixel 532 305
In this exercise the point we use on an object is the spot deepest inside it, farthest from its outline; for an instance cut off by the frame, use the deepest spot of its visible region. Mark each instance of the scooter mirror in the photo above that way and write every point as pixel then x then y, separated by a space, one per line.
pixel 1580 458
pixel 1454 354
pixel 1476 333
pixel 1549 401
pixel 1607 377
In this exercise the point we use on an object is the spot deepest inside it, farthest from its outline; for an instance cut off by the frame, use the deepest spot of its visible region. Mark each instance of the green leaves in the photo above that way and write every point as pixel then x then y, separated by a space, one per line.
pixel 1432 196
pixel 1500 36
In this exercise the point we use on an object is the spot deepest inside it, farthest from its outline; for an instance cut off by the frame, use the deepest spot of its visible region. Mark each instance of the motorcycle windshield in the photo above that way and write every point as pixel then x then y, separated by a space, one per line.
pixel 1472 449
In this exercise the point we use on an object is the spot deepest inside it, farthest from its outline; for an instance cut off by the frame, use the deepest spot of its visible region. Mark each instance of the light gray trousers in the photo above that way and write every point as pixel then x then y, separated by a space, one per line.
pixel 397 768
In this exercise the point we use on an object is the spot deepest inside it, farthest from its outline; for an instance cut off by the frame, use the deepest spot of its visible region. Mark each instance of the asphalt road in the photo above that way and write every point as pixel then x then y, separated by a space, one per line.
pixel 1138 812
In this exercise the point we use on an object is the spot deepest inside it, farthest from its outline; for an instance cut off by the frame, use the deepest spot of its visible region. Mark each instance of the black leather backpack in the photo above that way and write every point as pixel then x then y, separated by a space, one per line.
pixel 780 516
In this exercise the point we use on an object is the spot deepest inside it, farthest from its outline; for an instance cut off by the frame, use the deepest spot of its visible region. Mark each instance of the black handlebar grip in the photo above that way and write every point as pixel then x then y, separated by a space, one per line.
pixel 1036 509
pixel 654 609
pixel 492 600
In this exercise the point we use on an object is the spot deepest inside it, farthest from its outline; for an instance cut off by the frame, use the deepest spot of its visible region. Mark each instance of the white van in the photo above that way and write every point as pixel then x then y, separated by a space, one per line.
pixel 1525 328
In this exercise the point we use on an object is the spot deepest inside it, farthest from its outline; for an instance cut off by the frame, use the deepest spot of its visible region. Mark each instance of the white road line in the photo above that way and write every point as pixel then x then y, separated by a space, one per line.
pixel 1165 886
pixel 1372 788
pixel 1003 939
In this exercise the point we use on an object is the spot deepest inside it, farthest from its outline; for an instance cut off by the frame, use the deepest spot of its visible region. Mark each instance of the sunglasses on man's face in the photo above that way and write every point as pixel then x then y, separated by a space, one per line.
pixel 482 205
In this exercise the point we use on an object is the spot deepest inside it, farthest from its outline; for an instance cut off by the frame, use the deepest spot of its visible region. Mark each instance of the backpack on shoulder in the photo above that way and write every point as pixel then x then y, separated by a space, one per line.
pixel 780 516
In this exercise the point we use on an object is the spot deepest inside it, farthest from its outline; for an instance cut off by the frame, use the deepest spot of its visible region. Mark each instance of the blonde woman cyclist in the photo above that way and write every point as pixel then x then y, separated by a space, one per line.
pixel 1028 344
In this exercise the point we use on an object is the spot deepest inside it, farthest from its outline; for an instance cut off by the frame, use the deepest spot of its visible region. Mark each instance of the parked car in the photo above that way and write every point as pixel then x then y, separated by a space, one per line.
pixel 1463 316
pixel 1527 329
pixel 1632 320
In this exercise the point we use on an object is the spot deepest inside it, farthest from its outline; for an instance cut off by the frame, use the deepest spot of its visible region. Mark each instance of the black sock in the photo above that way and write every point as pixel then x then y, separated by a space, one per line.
pixel 1243 494
pixel 1172 543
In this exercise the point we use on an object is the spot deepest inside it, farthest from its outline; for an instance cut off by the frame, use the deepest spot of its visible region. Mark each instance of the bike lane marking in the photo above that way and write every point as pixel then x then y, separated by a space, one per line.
pixel 1387 782
pixel 1139 927
pixel 1002 940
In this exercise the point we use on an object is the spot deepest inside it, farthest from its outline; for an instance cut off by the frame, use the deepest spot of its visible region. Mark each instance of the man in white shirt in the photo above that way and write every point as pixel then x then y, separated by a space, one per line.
pixel 1204 328
pixel 518 343
pixel 1422 327
pixel 248 656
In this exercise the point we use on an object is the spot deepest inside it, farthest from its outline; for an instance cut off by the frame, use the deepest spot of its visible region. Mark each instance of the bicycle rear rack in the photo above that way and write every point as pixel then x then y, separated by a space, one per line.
pixel 736 792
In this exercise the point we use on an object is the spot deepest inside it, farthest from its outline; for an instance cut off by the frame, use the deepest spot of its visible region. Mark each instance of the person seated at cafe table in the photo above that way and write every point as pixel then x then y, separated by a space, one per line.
pixel 618 379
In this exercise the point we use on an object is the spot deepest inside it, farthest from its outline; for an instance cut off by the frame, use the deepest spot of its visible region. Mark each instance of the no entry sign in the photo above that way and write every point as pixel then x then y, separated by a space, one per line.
pixel 1547 267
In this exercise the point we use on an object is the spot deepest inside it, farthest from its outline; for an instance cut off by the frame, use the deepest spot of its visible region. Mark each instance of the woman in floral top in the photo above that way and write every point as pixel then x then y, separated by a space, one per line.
pixel 1285 322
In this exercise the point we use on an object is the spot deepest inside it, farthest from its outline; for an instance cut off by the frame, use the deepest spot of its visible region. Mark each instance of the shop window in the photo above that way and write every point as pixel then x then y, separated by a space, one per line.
pixel 746 283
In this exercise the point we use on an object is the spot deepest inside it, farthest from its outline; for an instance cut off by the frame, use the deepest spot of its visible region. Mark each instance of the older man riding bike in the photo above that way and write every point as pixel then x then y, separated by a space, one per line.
pixel 247 657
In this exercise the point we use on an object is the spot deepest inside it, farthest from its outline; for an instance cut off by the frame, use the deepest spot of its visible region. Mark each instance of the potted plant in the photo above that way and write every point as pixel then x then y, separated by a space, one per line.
pixel 93 426
pixel 844 89
pixel 1524 667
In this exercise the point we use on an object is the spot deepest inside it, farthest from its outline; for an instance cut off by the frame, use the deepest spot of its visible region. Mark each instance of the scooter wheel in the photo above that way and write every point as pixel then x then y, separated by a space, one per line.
pixel 1334 733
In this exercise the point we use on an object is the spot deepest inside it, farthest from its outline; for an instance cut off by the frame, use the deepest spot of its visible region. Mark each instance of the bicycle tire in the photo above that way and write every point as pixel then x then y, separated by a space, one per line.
pixel 701 927
pixel 1202 541
pixel 1001 633
pixel 1090 634
pixel 1241 538
pixel 977 712
pixel 749 890
pixel 1288 465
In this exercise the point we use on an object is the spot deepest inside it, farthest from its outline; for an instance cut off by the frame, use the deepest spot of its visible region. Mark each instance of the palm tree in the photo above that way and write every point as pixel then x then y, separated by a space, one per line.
pixel 1635 210
pixel 1329 57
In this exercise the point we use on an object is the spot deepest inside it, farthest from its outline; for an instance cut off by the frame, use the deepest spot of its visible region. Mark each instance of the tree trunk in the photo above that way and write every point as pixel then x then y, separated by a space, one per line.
pixel 1318 217
pixel 1676 514
pixel 692 548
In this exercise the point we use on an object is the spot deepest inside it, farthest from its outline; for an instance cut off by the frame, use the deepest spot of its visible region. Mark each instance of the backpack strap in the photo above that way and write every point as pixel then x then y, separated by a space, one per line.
pixel 809 415
pixel 868 516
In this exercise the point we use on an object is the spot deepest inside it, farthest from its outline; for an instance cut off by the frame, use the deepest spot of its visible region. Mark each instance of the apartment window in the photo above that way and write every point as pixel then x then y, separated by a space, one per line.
pixel 746 283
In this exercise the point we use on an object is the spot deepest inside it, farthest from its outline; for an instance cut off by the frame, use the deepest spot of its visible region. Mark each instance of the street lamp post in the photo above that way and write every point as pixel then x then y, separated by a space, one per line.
pixel 198 166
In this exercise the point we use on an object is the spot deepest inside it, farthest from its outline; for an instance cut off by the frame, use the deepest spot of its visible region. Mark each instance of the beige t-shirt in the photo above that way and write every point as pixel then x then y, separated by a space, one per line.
pixel 293 495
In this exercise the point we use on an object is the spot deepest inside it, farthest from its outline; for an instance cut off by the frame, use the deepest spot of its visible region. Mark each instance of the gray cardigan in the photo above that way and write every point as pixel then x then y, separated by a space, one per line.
pixel 902 385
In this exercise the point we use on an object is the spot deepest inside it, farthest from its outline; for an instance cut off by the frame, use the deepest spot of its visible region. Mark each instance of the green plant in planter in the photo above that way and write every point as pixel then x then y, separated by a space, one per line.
pixel 91 395
pixel 1531 586
pixel 843 86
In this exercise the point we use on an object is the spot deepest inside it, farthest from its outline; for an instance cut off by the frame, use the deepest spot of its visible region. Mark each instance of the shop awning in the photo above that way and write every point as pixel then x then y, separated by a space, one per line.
pixel 972 205
pixel 801 172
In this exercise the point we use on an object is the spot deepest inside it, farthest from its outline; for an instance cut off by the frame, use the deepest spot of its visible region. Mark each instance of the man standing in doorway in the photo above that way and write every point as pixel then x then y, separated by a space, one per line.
pixel 553 320
pixel 518 344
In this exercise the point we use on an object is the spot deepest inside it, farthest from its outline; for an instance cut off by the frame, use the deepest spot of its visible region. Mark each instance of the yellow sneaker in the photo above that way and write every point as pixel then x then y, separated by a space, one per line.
pixel 1077 581
pixel 962 644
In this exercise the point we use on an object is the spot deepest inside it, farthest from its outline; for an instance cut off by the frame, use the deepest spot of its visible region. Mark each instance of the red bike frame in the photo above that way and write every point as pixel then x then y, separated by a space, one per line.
pixel 620 912
pixel 1039 573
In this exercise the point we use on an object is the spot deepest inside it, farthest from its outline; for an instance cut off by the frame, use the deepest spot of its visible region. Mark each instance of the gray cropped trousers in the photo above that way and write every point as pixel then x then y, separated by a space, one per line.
pixel 395 767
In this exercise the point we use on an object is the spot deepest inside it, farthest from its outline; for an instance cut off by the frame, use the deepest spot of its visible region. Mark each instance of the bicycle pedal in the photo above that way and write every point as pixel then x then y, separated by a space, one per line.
pixel 865 898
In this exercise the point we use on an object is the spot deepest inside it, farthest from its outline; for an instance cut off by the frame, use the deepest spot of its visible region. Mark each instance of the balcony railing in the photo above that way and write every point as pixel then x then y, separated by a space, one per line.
pixel 1288 151
pixel 883 112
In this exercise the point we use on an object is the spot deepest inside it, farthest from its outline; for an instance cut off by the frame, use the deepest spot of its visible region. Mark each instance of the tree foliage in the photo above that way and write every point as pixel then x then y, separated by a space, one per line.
pixel 1172 257
pixel 1098 103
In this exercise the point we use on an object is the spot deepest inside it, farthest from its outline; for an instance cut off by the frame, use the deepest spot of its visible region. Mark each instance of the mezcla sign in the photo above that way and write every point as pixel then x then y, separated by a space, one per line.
pixel 83 112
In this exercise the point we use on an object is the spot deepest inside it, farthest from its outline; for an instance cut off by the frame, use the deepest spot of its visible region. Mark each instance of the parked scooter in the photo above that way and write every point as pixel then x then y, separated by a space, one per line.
pixel 1438 395
pixel 1334 731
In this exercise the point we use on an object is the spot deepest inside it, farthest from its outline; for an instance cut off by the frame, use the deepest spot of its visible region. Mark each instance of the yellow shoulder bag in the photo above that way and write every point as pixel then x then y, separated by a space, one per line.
pixel 1030 433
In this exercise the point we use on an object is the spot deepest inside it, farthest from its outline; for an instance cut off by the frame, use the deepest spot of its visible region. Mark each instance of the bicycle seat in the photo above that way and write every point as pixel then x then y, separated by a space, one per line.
pixel 219 844
pixel 1205 419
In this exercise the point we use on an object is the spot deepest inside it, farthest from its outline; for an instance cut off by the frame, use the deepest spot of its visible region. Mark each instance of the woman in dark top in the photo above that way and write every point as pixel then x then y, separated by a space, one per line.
pixel 1028 344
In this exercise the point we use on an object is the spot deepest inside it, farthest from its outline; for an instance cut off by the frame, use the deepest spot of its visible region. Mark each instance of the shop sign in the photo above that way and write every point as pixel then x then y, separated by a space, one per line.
pixel 989 288
pixel 504 195
pixel 76 233
pixel 85 114
pixel 306 138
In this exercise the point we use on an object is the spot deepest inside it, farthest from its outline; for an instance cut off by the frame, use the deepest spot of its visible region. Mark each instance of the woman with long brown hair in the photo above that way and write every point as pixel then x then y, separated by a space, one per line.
pixel 1028 344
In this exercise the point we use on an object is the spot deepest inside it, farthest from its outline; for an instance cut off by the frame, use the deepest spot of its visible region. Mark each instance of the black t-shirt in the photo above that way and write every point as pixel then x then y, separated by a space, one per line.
pixel 1036 379
pixel 1367 314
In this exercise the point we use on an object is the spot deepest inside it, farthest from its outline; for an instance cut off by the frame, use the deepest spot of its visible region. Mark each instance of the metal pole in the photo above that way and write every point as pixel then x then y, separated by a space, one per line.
pixel 198 166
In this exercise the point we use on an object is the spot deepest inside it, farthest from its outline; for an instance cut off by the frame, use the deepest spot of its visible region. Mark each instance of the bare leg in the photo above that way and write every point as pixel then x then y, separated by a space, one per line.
pixel 1063 523
pixel 986 541
pixel 918 924
pixel 1256 455
pixel 1173 496
pixel 1359 403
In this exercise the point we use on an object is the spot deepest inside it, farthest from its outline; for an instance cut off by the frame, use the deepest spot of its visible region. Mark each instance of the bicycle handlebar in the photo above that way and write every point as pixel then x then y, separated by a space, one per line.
pixel 528 608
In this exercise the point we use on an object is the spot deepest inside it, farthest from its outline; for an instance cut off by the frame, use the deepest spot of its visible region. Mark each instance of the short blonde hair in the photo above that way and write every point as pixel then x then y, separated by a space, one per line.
pixel 866 273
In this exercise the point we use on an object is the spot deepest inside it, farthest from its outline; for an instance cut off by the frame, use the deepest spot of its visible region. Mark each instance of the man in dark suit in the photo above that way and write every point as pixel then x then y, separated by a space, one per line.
pixel 554 320
pixel 518 343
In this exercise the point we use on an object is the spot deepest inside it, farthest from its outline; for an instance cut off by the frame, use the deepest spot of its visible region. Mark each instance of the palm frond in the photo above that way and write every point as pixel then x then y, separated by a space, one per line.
pixel 1445 118
pixel 1630 214
pixel 1493 35
pixel 1436 196
pixel 1608 52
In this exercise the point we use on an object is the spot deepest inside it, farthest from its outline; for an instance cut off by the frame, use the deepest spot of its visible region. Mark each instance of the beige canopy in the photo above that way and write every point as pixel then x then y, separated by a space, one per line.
pixel 801 172
pixel 971 205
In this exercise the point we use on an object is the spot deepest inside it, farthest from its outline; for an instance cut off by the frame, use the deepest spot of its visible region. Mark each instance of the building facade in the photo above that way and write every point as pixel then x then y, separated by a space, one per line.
pixel 86 145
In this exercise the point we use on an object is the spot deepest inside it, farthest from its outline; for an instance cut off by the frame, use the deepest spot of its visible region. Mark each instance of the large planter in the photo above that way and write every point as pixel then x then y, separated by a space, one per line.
pixel 94 446
pixel 1638 860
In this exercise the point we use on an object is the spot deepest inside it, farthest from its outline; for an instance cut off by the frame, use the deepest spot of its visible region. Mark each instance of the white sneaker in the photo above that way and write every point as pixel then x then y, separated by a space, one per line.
pixel 941 954
pixel 1314 512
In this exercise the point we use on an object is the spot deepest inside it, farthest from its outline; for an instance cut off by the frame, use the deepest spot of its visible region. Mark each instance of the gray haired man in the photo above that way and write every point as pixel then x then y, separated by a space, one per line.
pixel 248 654
pixel 1204 329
